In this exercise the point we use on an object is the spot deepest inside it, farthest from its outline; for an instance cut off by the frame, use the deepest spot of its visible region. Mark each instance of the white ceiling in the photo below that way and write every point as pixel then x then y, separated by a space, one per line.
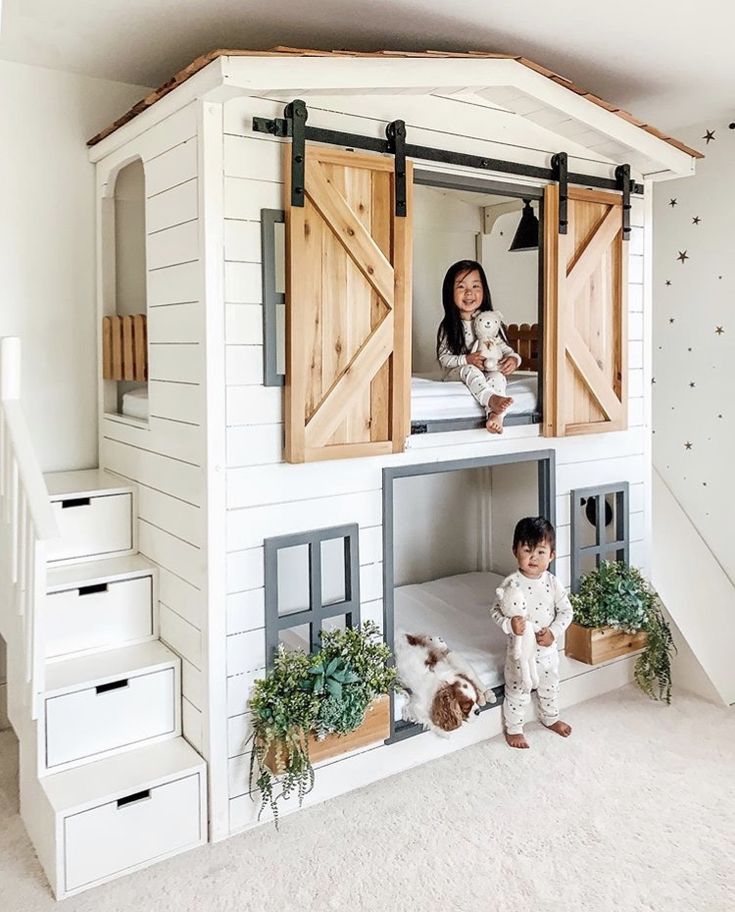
pixel 669 64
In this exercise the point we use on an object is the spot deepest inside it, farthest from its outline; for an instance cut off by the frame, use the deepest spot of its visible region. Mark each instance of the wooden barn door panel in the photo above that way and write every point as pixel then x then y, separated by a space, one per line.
pixel 585 319
pixel 348 307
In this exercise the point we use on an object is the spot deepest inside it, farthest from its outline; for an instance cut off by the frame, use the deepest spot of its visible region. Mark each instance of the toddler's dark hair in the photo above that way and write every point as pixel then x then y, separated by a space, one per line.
pixel 532 531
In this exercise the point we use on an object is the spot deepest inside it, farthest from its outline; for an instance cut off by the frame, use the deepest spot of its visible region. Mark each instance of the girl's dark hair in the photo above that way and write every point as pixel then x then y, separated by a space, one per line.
pixel 532 531
pixel 450 327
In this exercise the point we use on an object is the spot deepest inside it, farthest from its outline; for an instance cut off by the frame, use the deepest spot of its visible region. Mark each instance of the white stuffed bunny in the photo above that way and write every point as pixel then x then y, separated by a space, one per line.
pixel 488 340
pixel 513 604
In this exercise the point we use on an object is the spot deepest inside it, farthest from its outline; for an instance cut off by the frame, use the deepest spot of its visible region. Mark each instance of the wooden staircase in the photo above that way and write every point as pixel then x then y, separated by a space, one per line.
pixel 107 783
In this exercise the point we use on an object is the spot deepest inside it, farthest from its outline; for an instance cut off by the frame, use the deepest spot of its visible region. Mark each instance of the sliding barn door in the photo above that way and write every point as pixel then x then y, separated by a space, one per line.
pixel 585 326
pixel 348 301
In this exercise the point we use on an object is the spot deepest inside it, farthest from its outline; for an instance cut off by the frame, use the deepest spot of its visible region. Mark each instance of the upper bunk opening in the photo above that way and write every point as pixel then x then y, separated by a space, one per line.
pixel 124 281
pixel 499 225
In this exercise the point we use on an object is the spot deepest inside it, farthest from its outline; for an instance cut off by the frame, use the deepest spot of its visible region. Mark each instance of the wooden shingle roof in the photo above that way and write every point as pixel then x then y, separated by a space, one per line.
pixel 206 59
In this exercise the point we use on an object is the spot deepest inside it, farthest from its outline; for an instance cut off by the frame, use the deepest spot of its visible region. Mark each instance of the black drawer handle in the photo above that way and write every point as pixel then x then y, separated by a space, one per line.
pixel 90 590
pixel 75 502
pixel 133 799
pixel 112 685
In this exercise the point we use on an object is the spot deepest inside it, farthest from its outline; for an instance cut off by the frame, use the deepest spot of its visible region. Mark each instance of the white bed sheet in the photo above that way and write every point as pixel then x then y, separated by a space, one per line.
pixel 135 404
pixel 457 608
pixel 433 399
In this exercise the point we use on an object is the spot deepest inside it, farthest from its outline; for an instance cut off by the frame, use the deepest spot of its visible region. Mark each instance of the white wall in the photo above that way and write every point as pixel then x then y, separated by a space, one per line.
pixel 47 249
pixel 687 348
pixel 512 276
pixel 444 231
pixel 427 549
pixel 514 493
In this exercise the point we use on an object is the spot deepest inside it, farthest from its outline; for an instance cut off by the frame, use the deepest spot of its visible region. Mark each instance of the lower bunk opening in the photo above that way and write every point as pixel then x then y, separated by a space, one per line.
pixel 447 539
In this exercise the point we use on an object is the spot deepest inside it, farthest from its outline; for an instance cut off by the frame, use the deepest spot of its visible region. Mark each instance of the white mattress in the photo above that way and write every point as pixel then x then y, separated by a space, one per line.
pixel 433 399
pixel 135 404
pixel 457 608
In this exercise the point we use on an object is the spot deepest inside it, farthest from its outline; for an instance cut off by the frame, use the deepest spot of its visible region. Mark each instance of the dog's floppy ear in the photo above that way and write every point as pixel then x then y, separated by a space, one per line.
pixel 499 315
pixel 465 704
pixel 445 711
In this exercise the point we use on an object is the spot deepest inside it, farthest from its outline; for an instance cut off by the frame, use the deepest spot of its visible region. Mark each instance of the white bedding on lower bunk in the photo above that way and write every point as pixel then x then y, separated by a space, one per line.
pixel 135 404
pixel 433 399
pixel 457 608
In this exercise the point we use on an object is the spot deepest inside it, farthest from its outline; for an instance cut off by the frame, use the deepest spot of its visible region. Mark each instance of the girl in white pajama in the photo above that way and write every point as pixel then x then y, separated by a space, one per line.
pixel 464 294
pixel 482 385
pixel 548 608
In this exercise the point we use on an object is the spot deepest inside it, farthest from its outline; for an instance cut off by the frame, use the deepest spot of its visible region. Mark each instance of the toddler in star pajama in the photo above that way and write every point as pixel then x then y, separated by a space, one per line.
pixel 550 613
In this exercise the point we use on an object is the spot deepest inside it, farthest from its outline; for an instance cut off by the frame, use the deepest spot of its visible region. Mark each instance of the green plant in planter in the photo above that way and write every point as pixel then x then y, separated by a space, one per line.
pixel 617 595
pixel 328 692
pixel 283 713
pixel 330 677
pixel 366 658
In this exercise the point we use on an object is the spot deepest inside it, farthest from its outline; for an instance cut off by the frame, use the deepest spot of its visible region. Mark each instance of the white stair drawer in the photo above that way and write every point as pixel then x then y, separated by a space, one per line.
pixel 97 616
pixel 92 525
pixel 115 714
pixel 132 831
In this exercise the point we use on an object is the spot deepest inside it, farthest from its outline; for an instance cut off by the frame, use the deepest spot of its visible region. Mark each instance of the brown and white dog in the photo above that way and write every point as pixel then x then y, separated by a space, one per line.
pixel 444 690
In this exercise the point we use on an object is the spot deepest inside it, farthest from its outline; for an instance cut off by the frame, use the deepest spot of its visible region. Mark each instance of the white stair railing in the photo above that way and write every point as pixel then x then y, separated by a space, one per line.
pixel 27 523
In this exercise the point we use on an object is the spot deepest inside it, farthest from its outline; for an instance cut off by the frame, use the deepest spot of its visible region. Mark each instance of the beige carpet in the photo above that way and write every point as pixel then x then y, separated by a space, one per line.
pixel 634 813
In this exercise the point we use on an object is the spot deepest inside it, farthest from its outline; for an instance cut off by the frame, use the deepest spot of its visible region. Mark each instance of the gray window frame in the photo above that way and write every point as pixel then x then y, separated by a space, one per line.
pixel 317 612
pixel 601 548
pixel 272 299
pixel 546 460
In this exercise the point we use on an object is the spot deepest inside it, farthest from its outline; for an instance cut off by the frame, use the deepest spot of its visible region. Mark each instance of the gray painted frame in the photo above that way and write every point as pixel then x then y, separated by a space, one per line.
pixel 316 612
pixel 442 425
pixel 622 531
pixel 272 299
pixel 546 460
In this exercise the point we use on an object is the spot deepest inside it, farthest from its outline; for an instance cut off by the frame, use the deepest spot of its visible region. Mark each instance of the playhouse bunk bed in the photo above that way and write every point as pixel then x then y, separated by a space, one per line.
pixel 260 373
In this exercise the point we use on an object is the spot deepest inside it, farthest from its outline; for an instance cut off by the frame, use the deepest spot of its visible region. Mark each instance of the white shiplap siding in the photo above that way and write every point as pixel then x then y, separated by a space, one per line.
pixel 164 458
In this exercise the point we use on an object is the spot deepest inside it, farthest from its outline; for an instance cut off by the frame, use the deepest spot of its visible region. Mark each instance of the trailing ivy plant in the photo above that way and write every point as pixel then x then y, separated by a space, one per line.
pixel 328 692
pixel 283 713
pixel 617 595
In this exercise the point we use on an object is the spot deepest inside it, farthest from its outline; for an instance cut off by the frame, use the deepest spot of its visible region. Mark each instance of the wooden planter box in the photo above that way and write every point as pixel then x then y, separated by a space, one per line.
pixel 374 729
pixel 593 645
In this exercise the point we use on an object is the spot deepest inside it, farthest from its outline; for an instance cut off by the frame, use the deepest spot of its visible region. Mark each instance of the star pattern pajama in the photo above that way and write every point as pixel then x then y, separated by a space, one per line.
pixel 481 384
pixel 548 606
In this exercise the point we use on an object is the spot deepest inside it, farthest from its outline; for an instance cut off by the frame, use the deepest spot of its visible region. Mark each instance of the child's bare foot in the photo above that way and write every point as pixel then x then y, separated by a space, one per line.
pixel 516 740
pixel 561 728
pixel 498 404
pixel 494 423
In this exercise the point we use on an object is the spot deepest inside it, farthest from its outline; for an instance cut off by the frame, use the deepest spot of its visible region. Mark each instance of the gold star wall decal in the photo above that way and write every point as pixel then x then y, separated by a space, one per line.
pixel 672 203
pixel 709 135
pixel 719 330
pixel 687 445
pixel 696 220
pixel 683 255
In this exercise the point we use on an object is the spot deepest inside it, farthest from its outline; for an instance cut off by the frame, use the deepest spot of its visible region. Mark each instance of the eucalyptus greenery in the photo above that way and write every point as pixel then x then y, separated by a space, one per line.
pixel 617 595
pixel 328 692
